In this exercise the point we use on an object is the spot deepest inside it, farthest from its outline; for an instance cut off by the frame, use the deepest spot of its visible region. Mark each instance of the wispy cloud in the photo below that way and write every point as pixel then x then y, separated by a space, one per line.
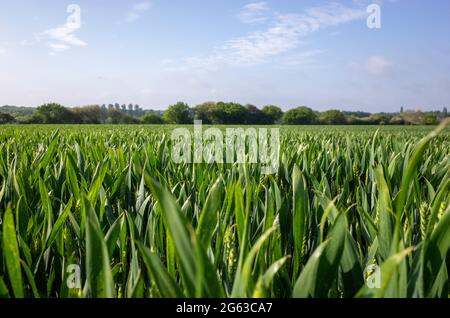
pixel 65 35
pixel 2 51
pixel 59 47
pixel 60 38
pixel 284 32
pixel 303 59
pixel 137 10
pixel 255 12
pixel 27 42
pixel 377 65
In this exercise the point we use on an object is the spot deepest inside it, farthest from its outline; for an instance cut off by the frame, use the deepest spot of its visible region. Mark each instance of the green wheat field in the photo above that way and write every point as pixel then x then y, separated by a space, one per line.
pixel 351 212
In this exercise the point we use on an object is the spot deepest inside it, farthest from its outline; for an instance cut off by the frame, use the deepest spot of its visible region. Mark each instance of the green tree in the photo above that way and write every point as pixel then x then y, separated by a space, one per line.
pixel 180 113
pixel 430 119
pixel 54 114
pixel 152 119
pixel 89 115
pixel 204 112
pixel 137 110
pixel 228 114
pixel 6 119
pixel 118 117
pixel 254 116
pixel 333 116
pixel 299 116
pixel 273 114
pixel 381 119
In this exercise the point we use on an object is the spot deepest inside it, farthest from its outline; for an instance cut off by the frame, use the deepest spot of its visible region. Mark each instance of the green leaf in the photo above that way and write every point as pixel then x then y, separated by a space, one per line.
pixel 4 293
pixel 31 280
pixel 265 280
pixel 184 240
pixel 385 214
pixel 51 150
pixel 99 281
pixel 408 174
pixel 71 176
pixel 11 254
pixel 113 234
pixel 243 276
pixel 166 285
pixel 321 270
pixel 97 183
pixel 210 213
pixel 387 271
pixel 300 210
pixel 352 272
pixel 58 224
pixel 436 250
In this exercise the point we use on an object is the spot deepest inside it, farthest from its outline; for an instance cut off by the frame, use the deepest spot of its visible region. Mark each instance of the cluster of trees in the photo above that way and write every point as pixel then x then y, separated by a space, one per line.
pixel 233 113
pixel 6 118
pixel 132 110
pixel 213 113
pixel 57 114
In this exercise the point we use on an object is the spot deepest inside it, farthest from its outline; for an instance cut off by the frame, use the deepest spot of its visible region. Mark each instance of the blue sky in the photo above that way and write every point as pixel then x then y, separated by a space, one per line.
pixel 284 52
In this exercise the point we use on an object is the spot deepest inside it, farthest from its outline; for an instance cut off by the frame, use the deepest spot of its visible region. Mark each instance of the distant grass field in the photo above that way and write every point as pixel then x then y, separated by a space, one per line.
pixel 348 203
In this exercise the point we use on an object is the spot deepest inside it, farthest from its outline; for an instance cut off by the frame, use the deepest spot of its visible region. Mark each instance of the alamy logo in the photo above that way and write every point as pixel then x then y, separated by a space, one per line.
pixel 372 275
pixel 239 145
pixel 73 280
pixel 374 18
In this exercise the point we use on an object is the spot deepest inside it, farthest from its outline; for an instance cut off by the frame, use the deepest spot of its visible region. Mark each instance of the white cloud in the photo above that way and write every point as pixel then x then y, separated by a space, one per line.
pixel 301 59
pixel 2 51
pixel 255 12
pixel 27 42
pixel 60 38
pixel 141 7
pixel 64 34
pixel 377 65
pixel 284 33
pixel 59 47
pixel 206 63
pixel 137 10
pixel 286 30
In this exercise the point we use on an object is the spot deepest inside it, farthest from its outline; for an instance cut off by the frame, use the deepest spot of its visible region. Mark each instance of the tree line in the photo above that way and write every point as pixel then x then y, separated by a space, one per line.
pixel 213 113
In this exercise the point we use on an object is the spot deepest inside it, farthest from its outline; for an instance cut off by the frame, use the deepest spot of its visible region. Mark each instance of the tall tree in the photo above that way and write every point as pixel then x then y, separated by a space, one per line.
pixel 273 114
pixel 254 116
pixel 204 112
pixel 137 110
pixel 299 116
pixel 228 114
pixel 89 114
pixel 333 117
pixel 6 118
pixel 54 114
pixel 151 119
pixel 180 113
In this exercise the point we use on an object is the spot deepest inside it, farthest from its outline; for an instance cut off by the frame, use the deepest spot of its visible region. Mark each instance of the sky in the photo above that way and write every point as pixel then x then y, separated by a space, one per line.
pixel 281 52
